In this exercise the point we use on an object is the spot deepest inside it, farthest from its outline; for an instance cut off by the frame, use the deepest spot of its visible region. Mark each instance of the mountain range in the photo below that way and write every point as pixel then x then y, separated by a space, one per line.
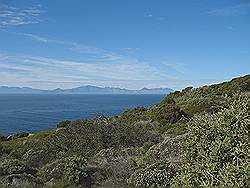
pixel 88 89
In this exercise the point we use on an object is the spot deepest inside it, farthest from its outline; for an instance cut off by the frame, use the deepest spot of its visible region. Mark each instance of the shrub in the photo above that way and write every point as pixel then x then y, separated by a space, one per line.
pixel 217 152
pixel 59 184
pixel 155 175
pixel 64 123
pixel 2 138
pixel 70 170
pixel 174 129
pixel 115 165
pixel 133 115
pixel 167 112
pixel 75 171
pixel 168 149
pixel 53 171
pixel 159 164
pixel 122 134
pixel 14 166
pixel 1 150
pixel 20 180
pixel 19 135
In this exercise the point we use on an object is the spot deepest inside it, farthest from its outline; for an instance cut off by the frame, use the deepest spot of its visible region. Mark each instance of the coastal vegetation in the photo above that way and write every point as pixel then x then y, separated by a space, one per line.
pixel 197 137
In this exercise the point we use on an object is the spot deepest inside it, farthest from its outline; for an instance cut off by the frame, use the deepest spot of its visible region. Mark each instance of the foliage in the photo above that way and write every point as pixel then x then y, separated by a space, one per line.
pixel 178 128
pixel 75 170
pixel 127 135
pixel 208 98
pixel 53 171
pixel 159 164
pixel 12 166
pixel 155 175
pixel 133 115
pixel 116 165
pixel 64 123
pixel 15 173
pixel 2 138
pixel 42 134
pixel 19 135
pixel 167 150
pixel 69 170
pixel 59 184
pixel 241 84
pixel 20 180
pixel 217 152
pixel 167 112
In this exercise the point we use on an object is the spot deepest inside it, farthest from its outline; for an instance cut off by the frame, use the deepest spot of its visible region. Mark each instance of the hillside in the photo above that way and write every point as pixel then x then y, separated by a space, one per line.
pixel 197 137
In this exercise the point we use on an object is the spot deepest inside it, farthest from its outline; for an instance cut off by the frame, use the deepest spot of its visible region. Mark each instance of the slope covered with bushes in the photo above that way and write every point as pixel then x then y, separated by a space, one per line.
pixel 194 137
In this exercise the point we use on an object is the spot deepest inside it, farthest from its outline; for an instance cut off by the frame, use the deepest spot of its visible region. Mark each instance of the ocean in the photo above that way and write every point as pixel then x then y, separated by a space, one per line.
pixel 34 113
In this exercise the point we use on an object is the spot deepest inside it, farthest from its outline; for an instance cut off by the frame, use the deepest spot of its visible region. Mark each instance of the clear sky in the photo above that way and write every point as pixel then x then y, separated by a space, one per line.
pixel 123 43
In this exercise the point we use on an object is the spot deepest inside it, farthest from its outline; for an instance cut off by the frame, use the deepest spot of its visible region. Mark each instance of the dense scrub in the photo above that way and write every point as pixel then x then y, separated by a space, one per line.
pixel 217 151
pixel 196 137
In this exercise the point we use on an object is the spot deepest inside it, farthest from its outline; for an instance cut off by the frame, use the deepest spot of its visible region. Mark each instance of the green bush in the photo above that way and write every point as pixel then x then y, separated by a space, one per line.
pixel 217 152
pixel 241 84
pixel 155 175
pixel 159 164
pixel 123 135
pixel 20 180
pixel 14 166
pixel 2 138
pixel 19 135
pixel 75 171
pixel 59 184
pixel 133 115
pixel 115 165
pixel 167 112
pixel 64 123
pixel 70 170
pixel 167 150
pixel 174 129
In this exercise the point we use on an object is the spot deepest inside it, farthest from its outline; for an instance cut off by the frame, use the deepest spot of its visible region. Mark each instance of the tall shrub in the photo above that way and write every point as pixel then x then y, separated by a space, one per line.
pixel 217 152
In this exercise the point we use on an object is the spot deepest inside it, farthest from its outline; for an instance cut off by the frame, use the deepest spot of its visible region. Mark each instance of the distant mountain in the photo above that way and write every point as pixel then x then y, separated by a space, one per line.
pixel 18 90
pixel 88 89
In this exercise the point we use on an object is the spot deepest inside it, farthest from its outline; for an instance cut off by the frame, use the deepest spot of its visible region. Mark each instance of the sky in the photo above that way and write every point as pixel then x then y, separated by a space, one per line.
pixel 129 44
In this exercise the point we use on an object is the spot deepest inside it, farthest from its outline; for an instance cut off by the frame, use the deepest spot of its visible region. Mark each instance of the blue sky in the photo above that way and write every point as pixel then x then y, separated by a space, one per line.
pixel 129 44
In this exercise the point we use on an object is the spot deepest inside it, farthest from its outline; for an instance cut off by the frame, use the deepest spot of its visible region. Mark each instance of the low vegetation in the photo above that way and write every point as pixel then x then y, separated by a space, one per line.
pixel 197 137
pixel 217 151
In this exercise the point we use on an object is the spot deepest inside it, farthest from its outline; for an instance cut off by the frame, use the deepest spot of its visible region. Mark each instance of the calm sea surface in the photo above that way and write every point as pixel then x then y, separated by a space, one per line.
pixel 33 113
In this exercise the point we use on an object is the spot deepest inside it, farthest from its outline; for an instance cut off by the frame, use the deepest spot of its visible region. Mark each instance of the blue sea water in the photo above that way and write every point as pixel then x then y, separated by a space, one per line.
pixel 33 113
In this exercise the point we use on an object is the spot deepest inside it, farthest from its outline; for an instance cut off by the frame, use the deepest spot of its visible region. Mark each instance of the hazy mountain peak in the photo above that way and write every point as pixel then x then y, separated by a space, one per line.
pixel 87 89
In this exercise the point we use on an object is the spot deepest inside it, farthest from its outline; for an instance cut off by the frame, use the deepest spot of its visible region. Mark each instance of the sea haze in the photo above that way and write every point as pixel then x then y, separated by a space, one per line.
pixel 35 112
